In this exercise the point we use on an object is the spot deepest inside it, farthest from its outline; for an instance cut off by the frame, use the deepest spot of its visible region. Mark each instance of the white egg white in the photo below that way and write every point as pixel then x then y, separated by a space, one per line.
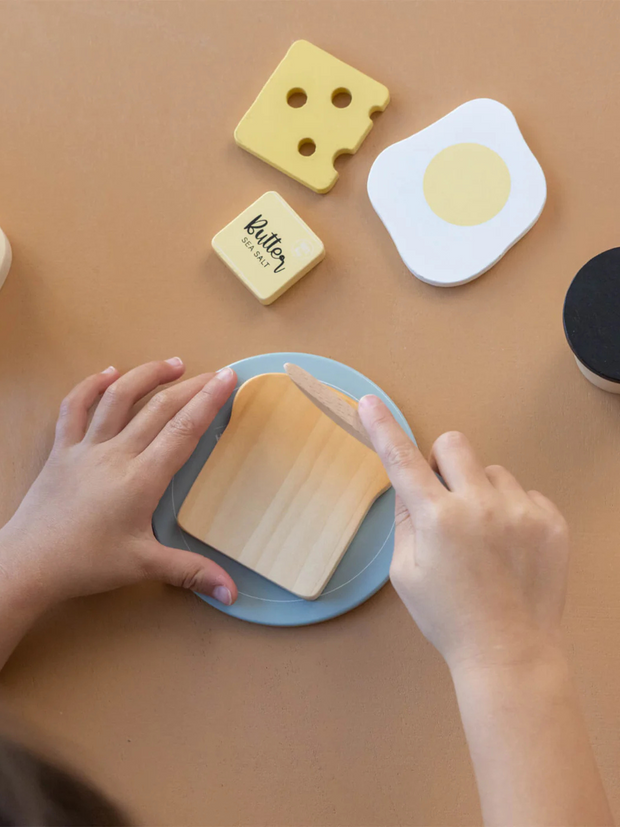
pixel 433 249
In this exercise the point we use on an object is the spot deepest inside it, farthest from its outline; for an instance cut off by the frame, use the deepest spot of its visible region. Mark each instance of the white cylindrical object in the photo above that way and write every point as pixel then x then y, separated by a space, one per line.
pixel 592 320
pixel 603 384
pixel 6 257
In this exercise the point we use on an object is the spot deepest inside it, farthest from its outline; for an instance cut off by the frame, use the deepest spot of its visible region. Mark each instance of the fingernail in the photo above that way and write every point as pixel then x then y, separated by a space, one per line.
pixel 175 361
pixel 224 374
pixel 222 595
pixel 111 369
pixel 368 401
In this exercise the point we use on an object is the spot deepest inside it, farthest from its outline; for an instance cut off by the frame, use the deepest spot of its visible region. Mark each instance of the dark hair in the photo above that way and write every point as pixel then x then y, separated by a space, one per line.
pixel 34 792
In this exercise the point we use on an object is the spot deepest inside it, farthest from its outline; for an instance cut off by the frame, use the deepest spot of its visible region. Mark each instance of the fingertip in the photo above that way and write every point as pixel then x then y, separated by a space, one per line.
pixel 224 380
pixel 225 590
pixel 374 414
pixel 105 378
pixel 223 595
pixel 232 587
pixel 368 407
pixel 369 401
pixel 175 366
pixel 226 376
pixel 215 582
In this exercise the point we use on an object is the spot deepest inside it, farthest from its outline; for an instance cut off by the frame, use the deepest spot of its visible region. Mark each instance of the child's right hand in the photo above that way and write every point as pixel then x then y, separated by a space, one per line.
pixel 480 564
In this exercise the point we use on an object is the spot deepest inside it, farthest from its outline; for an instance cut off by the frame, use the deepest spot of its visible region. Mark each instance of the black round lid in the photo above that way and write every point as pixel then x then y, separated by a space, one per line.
pixel 592 315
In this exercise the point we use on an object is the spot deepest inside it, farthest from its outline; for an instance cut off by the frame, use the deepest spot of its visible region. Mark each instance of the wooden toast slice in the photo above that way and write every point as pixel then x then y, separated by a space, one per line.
pixel 285 488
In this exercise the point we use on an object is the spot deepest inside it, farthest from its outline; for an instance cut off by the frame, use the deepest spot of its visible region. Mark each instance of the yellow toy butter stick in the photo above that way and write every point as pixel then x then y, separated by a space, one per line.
pixel 268 247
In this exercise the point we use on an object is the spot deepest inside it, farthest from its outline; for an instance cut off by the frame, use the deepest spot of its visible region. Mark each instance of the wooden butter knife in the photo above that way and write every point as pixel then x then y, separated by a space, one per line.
pixel 330 403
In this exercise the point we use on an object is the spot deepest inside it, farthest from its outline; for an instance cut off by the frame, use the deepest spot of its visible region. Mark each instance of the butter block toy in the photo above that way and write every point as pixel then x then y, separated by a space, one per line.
pixel 268 247
pixel 313 108
pixel 457 195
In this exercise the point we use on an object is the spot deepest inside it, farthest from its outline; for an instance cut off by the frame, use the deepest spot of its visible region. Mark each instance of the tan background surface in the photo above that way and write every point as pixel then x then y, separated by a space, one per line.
pixel 117 165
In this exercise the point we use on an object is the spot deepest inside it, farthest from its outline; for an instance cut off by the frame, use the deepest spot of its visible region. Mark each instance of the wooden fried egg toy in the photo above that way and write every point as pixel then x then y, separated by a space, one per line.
pixel 457 195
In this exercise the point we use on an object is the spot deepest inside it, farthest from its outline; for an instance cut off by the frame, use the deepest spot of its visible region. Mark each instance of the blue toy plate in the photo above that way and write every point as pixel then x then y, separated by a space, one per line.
pixel 365 566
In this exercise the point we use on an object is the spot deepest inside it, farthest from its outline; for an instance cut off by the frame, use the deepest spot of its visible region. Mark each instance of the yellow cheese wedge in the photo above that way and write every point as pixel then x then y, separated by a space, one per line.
pixel 304 140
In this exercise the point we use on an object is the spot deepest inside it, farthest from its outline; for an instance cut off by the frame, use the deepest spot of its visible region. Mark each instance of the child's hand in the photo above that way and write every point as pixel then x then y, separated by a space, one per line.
pixel 481 565
pixel 85 525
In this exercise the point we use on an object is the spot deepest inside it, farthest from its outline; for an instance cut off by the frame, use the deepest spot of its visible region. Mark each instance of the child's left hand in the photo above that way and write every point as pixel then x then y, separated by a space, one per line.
pixel 85 525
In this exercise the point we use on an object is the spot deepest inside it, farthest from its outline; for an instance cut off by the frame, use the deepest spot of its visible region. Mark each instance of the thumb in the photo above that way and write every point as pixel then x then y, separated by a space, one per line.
pixel 189 571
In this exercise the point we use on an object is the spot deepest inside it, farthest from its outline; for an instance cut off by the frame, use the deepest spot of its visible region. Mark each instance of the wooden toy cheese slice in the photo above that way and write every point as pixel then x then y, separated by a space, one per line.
pixel 285 489
pixel 303 141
